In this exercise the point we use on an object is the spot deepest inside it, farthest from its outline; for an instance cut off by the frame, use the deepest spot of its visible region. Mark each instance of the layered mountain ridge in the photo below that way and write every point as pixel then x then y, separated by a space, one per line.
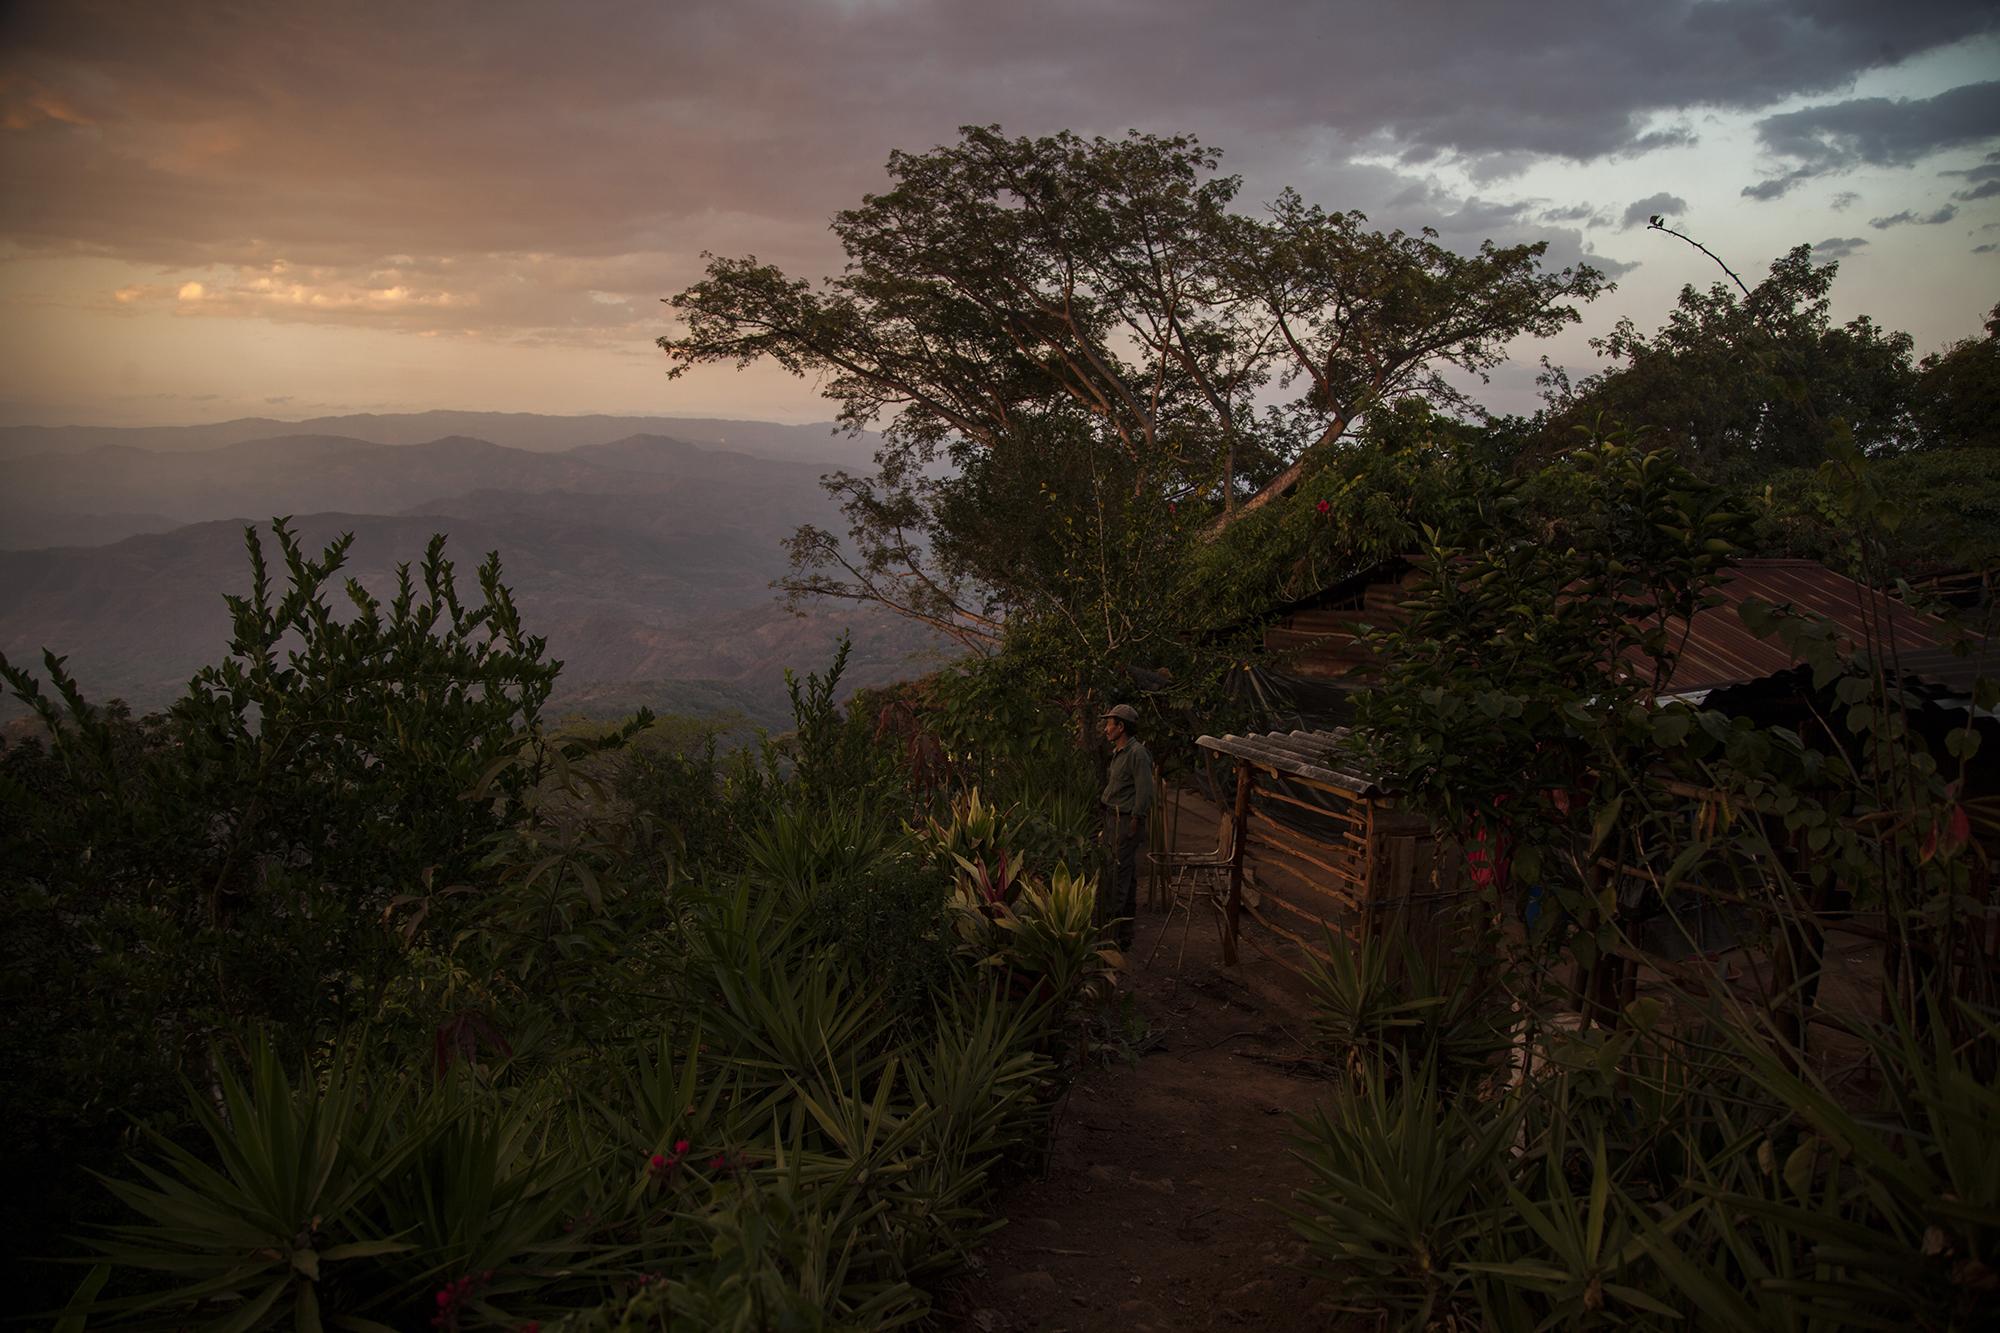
pixel 644 559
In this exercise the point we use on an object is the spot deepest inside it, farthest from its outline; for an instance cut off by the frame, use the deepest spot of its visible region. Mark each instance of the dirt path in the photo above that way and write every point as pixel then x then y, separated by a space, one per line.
pixel 1160 1205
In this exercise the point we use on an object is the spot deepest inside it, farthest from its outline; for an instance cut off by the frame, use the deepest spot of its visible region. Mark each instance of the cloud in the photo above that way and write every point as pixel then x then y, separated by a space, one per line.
pixel 1986 249
pixel 1678 136
pixel 1909 218
pixel 1873 131
pixel 1983 190
pixel 1640 210
pixel 1838 247
pixel 1774 187
pixel 1986 170
pixel 1569 213
pixel 527 157
pixel 1843 201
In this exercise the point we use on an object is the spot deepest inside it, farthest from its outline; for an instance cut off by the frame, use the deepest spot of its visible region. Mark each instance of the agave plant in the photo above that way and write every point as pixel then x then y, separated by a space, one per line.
pixel 1883 1217
pixel 479 1197
pixel 981 1076
pixel 277 1224
pixel 803 849
pixel 1366 1012
pixel 1570 1261
pixel 1403 1180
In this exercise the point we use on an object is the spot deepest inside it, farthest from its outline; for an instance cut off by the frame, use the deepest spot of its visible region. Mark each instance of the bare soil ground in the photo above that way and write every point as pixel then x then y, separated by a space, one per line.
pixel 1160 1205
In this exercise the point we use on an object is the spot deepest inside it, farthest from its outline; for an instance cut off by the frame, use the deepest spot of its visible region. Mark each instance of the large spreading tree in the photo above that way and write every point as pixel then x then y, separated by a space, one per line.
pixel 1079 351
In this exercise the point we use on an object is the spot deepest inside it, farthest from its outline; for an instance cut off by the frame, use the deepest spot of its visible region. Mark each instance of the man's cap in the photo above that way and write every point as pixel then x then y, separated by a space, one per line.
pixel 1125 713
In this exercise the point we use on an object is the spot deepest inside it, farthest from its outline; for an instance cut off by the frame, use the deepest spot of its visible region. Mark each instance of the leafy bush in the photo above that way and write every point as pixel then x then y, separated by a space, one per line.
pixel 1680 1164
pixel 183 879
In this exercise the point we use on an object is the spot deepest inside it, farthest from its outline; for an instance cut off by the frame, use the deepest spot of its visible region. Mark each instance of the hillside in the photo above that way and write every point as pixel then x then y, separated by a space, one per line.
pixel 645 561
pixel 305 473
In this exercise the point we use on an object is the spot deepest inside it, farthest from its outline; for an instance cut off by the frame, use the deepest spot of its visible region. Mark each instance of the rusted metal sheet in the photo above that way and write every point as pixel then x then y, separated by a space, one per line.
pixel 1719 649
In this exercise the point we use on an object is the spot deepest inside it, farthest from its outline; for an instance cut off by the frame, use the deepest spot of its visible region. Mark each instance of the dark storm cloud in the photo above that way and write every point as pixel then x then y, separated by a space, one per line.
pixel 521 165
pixel 1838 247
pixel 1908 218
pixel 1985 171
pixel 1982 181
pixel 1640 211
pixel 1874 131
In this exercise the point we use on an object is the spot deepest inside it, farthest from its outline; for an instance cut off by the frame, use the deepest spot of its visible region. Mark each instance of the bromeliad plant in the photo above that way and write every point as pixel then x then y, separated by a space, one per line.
pixel 975 843
pixel 1045 944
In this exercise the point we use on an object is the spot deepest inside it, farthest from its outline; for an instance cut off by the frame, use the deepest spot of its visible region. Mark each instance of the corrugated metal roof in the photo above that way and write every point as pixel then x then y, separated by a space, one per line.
pixel 1321 756
pixel 1721 650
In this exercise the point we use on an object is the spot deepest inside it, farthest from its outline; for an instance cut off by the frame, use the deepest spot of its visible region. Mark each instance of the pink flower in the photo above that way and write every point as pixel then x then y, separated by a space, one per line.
pixel 658 1163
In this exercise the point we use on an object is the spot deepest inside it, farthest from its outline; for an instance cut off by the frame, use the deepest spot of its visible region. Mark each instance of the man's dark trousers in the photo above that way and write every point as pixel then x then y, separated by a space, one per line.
pixel 1124 835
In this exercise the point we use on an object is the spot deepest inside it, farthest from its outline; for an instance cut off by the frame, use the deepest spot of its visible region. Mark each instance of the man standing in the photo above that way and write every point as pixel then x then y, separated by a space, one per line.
pixel 1127 800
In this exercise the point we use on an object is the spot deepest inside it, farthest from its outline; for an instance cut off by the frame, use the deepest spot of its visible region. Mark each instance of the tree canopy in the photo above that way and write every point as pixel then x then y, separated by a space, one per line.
pixel 1741 384
pixel 1083 316
pixel 1957 393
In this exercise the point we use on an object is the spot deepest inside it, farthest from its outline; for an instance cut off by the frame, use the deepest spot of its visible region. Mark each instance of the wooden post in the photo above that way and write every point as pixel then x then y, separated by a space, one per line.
pixel 1246 777
pixel 1162 836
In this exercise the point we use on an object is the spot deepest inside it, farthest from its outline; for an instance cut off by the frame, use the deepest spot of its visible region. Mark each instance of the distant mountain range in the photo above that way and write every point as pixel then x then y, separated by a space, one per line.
pixel 644 558
pixel 513 430
pixel 297 473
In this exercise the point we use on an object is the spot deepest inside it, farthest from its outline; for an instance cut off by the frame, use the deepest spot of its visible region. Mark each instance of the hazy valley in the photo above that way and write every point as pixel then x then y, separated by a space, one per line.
pixel 644 558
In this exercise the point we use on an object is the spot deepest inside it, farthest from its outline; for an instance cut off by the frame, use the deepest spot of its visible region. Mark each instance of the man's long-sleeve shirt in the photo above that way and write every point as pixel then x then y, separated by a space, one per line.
pixel 1128 786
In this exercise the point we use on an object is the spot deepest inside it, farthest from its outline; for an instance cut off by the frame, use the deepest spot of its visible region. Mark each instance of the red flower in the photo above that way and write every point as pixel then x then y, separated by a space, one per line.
pixel 451 1296
pixel 680 1147
pixel 1324 507
pixel 658 1163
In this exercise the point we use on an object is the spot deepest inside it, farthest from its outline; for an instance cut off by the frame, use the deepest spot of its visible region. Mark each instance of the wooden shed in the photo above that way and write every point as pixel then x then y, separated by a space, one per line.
pixel 1319 635
pixel 1357 861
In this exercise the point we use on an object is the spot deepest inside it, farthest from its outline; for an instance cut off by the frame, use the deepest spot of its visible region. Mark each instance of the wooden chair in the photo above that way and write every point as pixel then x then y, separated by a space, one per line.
pixel 1192 878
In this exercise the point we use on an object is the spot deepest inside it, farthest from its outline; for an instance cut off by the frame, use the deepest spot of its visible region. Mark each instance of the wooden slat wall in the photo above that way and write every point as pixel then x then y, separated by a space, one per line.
pixel 1323 641
pixel 1371 866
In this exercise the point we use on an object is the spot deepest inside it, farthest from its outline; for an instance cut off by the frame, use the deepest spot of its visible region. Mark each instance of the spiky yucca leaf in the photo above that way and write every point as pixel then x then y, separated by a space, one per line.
pixel 260 1231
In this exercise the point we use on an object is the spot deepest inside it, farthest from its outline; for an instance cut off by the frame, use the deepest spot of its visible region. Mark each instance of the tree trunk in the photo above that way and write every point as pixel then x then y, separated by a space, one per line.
pixel 1278 485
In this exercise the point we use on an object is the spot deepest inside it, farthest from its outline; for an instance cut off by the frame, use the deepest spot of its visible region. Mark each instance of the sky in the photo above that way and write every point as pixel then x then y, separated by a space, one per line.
pixel 215 210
